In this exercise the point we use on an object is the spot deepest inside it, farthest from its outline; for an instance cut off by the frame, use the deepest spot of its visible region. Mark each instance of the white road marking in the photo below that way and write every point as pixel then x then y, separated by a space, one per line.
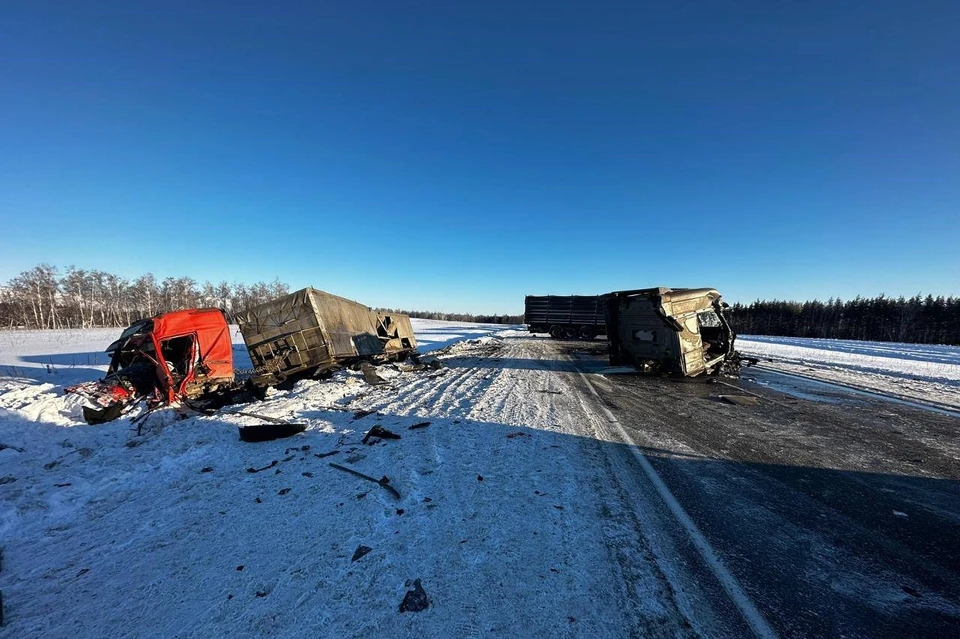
pixel 760 626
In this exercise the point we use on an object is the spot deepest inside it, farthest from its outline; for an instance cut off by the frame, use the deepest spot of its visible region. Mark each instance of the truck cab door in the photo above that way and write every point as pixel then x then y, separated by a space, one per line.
pixel 691 346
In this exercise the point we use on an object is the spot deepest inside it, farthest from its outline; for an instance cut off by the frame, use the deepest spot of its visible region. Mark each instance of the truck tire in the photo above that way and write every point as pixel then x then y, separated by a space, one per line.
pixel 570 332
pixel 556 332
pixel 587 332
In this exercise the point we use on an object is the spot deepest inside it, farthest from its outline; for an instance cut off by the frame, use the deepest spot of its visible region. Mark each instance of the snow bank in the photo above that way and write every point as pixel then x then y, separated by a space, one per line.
pixel 912 371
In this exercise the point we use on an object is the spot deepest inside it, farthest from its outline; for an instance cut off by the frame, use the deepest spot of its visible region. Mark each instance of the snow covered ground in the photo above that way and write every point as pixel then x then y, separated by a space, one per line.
pixel 505 515
pixel 926 373
pixel 185 531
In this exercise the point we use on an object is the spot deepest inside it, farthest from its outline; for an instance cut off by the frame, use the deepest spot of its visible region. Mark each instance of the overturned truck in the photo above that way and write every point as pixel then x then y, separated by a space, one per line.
pixel 679 331
pixel 188 355
pixel 310 332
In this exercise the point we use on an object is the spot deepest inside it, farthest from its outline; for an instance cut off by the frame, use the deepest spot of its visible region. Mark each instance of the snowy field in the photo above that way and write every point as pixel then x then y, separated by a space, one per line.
pixel 920 372
pixel 184 531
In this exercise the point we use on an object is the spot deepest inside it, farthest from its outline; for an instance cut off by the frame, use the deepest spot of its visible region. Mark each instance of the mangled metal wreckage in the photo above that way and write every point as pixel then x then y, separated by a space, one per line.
pixel 188 355
pixel 310 332
pixel 676 331
pixel 183 354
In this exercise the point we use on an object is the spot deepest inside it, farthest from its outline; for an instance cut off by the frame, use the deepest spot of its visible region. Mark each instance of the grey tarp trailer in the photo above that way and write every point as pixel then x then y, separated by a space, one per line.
pixel 309 331
pixel 669 330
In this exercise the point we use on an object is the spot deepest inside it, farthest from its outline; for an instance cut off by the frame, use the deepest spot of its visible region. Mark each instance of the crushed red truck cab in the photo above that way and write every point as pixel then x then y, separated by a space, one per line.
pixel 183 354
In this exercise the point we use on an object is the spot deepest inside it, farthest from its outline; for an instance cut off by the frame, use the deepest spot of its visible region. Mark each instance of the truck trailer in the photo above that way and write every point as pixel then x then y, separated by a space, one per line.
pixel 310 331
pixel 188 354
pixel 566 316
pixel 679 331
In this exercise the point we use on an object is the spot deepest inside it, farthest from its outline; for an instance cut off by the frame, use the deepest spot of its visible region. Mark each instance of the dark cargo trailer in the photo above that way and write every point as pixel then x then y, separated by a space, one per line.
pixel 310 331
pixel 566 316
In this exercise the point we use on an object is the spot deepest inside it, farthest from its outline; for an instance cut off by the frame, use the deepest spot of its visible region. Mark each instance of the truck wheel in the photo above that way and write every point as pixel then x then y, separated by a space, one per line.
pixel 556 332
pixel 587 332
pixel 570 332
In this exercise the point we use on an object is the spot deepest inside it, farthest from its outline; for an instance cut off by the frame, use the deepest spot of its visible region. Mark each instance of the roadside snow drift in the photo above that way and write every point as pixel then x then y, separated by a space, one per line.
pixel 923 372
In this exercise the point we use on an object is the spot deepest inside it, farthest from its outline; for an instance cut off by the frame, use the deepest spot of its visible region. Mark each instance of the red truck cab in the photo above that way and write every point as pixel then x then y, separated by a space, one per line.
pixel 179 355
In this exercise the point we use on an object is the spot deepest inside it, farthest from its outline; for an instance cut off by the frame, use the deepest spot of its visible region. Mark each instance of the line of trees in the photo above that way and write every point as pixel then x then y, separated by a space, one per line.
pixel 917 320
pixel 44 298
pixel 459 317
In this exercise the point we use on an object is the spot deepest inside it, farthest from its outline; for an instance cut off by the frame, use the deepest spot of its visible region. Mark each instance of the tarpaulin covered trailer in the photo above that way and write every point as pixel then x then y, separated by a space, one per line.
pixel 310 331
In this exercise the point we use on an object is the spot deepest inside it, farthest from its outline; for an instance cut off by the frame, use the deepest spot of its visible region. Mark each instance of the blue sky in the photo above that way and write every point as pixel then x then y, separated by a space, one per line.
pixel 457 156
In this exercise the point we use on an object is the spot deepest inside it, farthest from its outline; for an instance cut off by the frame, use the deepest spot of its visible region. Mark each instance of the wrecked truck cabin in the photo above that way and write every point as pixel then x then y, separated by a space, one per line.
pixel 179 355
pixel 679 331
pixel 309 332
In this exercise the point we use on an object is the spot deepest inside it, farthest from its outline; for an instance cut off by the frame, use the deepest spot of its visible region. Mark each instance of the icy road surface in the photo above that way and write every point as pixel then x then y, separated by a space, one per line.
pixel 534 501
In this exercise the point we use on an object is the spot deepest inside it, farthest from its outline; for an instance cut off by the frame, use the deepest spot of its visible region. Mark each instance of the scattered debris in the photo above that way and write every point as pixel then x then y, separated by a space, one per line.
pixel 240 567
pixel 383 482
pixel 379 431
pixel 269 432
pixel 400 511
pixel 9 479
pixel 900 513
pixel 322 455
pixel 286 459
pixel 83 571
pixel 360 552
pixel 552 392
pixel 62 485
pixel 296 449
pixel 740 400
pixel 415 600
pixel 370 375
pixel 307 474
pixel 283 491
pixel 360 414
pixel 267 467
pixel 206 469
pixel 420 425
pixel 262 593
pixel 6 446
pixel 913 592
pixel 516 434
pixel 479 477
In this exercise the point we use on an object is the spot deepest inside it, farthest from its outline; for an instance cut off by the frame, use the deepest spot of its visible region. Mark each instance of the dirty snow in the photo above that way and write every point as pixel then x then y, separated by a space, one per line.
pixel 109 534
pixel 919 372
pixel 505 515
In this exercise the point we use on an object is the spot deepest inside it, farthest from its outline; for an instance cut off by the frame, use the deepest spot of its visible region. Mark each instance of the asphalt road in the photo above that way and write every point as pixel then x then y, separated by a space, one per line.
pixel 837 515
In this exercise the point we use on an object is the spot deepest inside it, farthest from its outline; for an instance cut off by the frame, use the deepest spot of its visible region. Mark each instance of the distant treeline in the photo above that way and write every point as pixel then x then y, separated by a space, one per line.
pixel 917 320
pixel 459 317
pixel 44 298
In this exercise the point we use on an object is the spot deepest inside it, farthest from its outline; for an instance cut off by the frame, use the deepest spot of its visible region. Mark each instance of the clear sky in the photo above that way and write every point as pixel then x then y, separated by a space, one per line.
pixel 459 155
